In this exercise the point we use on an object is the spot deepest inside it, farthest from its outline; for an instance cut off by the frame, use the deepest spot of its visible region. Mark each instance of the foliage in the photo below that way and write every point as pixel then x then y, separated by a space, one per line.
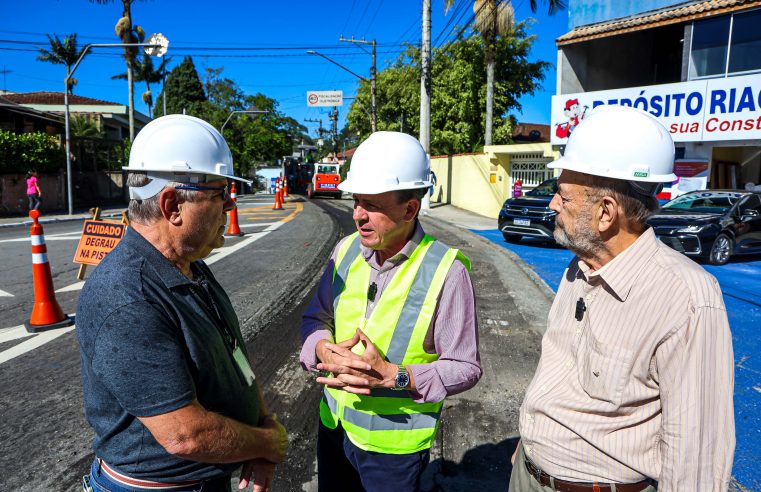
pixel 144 71
pixel 64 52
pixel 20 152
pixel 184 91
pixel 83 126
pixel 458 92
pixel 253 138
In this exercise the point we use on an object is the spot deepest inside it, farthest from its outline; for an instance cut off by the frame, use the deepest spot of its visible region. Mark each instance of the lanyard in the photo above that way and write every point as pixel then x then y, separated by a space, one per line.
pixel 207 298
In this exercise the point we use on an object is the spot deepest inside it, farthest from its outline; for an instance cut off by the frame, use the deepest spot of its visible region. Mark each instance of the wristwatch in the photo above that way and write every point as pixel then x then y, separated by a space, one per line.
pixel 402 380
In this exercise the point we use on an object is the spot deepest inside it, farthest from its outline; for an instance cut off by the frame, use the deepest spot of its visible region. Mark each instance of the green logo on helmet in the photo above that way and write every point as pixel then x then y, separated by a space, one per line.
pixel 641 174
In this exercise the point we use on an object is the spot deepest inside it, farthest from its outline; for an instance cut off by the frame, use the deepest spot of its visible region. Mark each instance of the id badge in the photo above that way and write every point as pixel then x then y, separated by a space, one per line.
pixel 244 366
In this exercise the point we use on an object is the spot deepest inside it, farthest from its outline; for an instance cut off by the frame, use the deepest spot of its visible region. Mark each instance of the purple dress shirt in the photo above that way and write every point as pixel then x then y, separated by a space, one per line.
pixel 453 333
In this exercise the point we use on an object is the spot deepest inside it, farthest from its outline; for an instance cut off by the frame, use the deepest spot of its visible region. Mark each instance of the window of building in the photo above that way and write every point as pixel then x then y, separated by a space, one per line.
pixel 726 45
pixel 745 51
pixel 710 39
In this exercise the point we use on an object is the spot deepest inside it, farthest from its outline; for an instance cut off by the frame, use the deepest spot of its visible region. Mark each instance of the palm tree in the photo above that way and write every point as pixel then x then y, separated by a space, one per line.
pixel 144 72
pixel 64 52
pixel 128 34
pixel 496 18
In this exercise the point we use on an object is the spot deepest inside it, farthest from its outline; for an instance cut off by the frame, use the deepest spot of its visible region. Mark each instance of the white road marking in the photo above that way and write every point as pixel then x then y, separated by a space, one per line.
pixel 259 224
pixel 72 287
pixel 33 343
pixel 38 340
pixel 8 334
pixel 5 294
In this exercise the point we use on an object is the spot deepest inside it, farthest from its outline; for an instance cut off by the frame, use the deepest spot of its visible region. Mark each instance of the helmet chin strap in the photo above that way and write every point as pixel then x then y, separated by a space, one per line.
pixel 154 186
pixel 646 189
pixel 158 181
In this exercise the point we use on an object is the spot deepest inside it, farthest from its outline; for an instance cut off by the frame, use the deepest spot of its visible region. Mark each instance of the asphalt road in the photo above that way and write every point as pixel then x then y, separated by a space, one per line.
pixel 270 275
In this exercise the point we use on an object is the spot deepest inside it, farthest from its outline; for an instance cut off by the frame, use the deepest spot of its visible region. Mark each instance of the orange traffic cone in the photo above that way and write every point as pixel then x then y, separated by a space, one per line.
pixel 46 313
pixel 278 200
pixel 233 229
pixel 285 187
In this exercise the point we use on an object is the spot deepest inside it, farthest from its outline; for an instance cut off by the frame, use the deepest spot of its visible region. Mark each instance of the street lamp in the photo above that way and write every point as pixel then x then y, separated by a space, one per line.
pixel 374 109
pixel 156 46
pixel 251 110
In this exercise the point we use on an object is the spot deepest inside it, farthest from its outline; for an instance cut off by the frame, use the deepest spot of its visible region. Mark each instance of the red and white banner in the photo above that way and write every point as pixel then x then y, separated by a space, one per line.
pixel 696 111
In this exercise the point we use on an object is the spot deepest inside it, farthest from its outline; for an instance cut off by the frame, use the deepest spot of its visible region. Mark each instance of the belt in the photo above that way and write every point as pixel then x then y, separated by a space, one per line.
pixel 566 486
pixel 135 483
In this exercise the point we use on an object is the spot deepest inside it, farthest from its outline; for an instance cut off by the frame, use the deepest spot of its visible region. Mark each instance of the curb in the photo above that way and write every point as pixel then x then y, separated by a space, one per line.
pixel 57 219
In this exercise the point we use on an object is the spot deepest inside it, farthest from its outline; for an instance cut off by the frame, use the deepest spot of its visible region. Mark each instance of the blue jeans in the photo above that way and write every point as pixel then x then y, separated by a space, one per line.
pixel 101 482
pixel 343 466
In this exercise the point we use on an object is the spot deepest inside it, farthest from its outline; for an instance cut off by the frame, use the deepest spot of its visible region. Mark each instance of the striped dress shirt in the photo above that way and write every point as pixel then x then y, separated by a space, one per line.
pixel 636 375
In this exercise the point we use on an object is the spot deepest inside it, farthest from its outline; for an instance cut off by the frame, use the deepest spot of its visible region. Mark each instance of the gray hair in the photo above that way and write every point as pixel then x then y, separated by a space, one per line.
pixel 637 203
pixel 147 211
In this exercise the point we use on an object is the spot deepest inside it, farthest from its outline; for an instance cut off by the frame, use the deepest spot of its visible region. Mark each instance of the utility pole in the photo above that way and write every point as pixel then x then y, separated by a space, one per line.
pixel 373 77
pixel 5 72
pixel 334 116
pixel 425 79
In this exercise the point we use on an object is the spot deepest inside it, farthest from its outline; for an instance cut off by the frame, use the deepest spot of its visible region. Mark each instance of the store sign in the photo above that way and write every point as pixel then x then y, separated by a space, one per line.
pixel 697 111
pixel 325 98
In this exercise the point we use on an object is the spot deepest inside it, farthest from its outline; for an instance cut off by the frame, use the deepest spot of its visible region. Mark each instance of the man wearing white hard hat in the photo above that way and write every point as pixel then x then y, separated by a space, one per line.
pixel 168 387
pixel 393 323
pixel 634 388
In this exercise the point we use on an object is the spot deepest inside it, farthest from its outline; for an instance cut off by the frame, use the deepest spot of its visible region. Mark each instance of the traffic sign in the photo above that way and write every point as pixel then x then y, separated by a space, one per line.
pixel 99 237
pixel 325 98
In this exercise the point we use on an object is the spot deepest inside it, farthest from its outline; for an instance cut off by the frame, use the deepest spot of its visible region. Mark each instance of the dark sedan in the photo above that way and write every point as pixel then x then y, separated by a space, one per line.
pixel 529 215
pixel 712 225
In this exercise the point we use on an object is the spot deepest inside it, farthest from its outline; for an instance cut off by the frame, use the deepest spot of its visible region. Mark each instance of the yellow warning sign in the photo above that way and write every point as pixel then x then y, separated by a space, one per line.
pixel 99 237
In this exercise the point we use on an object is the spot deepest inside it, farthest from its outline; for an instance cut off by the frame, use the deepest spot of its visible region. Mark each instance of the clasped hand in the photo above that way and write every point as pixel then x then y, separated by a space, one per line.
pixel 351 372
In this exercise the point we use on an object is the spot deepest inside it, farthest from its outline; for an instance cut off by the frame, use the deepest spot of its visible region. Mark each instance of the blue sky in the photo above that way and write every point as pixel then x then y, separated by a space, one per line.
pixel 282 71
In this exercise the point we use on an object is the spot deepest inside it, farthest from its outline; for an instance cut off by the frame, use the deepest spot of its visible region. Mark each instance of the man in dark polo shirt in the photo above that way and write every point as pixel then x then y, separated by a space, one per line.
pixel 168 388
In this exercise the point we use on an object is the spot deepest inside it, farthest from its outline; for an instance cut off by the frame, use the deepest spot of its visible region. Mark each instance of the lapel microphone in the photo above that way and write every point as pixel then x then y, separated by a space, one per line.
pixel 580 308
pixel 371 291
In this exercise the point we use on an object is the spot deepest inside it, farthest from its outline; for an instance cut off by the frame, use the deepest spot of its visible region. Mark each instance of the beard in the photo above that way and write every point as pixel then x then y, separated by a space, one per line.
pixel 584 240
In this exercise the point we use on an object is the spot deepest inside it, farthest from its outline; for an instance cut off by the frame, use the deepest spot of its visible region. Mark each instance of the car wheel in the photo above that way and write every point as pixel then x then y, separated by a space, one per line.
pixel 512 238
pixel 721 250
pixel 338 196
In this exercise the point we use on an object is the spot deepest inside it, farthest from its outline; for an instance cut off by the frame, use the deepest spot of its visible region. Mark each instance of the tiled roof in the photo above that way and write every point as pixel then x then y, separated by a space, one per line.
pixel 8 105
pixel 55 99
pixel 671 15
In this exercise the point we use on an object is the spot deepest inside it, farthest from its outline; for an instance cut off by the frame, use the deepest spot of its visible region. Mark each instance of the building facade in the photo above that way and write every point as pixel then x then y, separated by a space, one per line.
pixel 694 65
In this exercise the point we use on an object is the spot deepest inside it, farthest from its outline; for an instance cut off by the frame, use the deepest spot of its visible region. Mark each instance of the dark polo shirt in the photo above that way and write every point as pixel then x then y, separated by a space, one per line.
pixel 152 341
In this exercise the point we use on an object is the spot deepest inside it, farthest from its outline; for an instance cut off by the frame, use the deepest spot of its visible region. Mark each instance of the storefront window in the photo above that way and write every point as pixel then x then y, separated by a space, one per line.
pixel 745 54
pixel 710 39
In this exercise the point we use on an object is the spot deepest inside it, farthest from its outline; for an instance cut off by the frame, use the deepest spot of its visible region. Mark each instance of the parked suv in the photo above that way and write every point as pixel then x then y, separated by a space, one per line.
pixel 529 215
pixel 712 225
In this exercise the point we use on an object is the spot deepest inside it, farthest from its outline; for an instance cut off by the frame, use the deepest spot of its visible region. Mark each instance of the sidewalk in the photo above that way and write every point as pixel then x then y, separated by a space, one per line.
pixel 112 212
pixel 459 217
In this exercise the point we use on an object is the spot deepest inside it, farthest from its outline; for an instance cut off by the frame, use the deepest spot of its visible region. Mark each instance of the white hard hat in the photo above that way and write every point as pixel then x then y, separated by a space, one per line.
pixel 387 161
pixel 620 142
pixel 181 148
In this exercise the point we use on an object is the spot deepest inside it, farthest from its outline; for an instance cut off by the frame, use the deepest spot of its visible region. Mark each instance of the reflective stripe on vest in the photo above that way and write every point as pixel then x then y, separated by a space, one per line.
pixel 388 421
pixel 348 254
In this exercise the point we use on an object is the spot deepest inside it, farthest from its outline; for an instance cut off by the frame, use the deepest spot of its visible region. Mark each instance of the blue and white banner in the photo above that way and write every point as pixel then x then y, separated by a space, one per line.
pixel 696 111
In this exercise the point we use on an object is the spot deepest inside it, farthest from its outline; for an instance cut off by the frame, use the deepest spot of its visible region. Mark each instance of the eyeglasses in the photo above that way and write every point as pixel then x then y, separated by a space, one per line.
pixel 225 192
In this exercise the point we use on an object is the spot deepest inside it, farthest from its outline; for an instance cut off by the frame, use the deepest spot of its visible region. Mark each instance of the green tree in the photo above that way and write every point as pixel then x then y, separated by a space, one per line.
pixel 128 33
pixel 145 72
pixel 83 126
pixel 64 52
pixel 185 91
pixel 493 19
pixel 458 92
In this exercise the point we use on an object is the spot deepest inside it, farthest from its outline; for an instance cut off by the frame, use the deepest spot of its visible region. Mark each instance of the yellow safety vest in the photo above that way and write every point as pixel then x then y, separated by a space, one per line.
pixel 388 421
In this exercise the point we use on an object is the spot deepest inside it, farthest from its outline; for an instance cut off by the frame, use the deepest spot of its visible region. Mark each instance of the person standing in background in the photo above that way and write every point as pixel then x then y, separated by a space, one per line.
pixel 33 192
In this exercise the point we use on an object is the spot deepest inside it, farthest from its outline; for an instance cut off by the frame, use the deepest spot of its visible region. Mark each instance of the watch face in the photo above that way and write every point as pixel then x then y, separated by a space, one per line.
pixel 402 380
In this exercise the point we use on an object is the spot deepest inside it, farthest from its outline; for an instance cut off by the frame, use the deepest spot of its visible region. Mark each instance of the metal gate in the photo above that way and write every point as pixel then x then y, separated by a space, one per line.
pixel 530 168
